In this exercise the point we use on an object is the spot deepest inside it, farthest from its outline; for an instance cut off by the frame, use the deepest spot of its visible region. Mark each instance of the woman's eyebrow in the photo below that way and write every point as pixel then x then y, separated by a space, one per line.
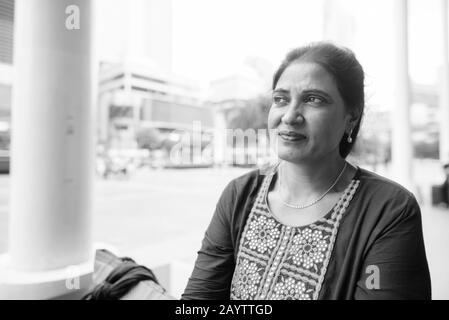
pixel 280 90
pixel 318 91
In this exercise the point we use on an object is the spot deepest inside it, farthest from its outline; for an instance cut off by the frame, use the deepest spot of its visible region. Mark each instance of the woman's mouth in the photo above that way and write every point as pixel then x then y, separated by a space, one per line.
pixel 291 136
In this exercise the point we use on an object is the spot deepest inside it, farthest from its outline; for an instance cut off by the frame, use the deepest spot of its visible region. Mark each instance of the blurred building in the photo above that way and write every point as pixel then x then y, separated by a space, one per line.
pixel 228 96
pixel 231 92
pixel 6 34
pixel 425 120
pixel 134 97
pixel 376 133
pixel 137 88
pixel 6 52
pixel 138 92
pixel 6 78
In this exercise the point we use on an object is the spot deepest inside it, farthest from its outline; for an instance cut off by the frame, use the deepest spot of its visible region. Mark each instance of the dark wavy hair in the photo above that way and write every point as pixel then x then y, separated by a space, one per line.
pixel 342 64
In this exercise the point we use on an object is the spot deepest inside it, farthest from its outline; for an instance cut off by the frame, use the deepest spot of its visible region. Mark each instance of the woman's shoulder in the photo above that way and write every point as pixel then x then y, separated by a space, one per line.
pixel 240 192
pixel 253 178
pixel 248 183
pixel 382 190
pixel 375 180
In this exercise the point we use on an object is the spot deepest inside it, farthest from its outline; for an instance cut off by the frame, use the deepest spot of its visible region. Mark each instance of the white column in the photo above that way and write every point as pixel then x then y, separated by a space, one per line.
pixel 444 95
pixel 52 151
pixel 400 118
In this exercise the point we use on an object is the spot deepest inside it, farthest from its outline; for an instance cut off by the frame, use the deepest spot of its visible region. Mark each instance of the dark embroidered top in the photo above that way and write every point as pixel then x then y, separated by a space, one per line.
pixel 247 253
pixel 276 261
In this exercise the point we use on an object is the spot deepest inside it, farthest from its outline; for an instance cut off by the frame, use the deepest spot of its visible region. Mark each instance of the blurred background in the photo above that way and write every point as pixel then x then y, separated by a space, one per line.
pixel 139 164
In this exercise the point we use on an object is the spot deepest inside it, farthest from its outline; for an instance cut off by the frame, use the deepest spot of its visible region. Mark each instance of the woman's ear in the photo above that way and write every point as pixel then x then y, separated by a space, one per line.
pixel 353 119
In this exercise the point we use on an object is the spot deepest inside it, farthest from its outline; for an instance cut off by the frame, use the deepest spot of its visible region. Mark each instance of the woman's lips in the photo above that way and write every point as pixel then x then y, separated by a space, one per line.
pixel 291 136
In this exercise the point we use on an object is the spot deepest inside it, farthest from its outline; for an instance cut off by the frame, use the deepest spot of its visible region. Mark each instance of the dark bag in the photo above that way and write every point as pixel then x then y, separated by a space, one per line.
pixel 118 278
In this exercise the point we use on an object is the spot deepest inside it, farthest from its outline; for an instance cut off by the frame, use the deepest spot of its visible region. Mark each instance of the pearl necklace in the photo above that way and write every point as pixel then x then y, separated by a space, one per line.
pixel 314 201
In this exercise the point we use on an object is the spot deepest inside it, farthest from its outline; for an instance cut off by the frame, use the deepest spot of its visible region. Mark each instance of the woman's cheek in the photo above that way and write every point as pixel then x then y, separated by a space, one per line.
pixel 333 134
pixel 273 119
pixel 321 133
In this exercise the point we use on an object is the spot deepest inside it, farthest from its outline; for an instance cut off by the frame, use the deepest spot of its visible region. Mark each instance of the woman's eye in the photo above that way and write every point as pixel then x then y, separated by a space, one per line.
pixel 314 99
pixel 280 100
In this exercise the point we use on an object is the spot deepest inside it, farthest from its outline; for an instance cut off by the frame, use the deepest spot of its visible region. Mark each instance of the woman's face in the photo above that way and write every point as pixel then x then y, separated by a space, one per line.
pixel 308 113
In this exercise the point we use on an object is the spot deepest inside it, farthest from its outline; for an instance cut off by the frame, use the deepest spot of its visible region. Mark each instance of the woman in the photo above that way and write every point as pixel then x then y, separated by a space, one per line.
pixel 314 226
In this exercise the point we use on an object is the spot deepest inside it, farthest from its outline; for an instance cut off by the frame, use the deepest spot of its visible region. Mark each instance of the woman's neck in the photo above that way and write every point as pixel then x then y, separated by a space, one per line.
pixel 303 182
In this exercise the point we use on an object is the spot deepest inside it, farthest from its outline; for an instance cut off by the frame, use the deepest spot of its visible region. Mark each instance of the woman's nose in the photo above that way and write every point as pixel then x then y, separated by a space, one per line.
pixel 292 115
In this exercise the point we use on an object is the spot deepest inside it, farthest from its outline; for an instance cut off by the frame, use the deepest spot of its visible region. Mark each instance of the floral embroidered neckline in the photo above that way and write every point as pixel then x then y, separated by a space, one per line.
pixel 319 220
pixel 277 261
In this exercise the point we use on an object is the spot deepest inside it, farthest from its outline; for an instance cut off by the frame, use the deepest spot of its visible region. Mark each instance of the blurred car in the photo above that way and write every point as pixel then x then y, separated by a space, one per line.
pixel 5 140
pixel 4 161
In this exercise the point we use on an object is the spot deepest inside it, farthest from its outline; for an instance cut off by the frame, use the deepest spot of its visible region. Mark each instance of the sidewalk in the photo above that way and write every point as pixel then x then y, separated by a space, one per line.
pixel 436 238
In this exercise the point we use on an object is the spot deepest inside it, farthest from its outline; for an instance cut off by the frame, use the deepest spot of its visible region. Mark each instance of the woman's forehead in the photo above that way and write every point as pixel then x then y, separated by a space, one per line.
pixel 306 75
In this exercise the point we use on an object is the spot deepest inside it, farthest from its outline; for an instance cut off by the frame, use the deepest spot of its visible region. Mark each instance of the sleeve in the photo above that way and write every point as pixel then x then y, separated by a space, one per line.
pixel 212 274
pixel 396 266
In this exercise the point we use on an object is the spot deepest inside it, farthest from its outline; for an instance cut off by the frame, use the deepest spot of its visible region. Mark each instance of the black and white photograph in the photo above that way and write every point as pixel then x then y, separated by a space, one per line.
pixel 224 150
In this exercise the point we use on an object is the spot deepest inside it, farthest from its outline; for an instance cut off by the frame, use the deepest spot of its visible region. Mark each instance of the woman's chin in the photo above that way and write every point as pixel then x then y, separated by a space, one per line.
pixel 291 155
